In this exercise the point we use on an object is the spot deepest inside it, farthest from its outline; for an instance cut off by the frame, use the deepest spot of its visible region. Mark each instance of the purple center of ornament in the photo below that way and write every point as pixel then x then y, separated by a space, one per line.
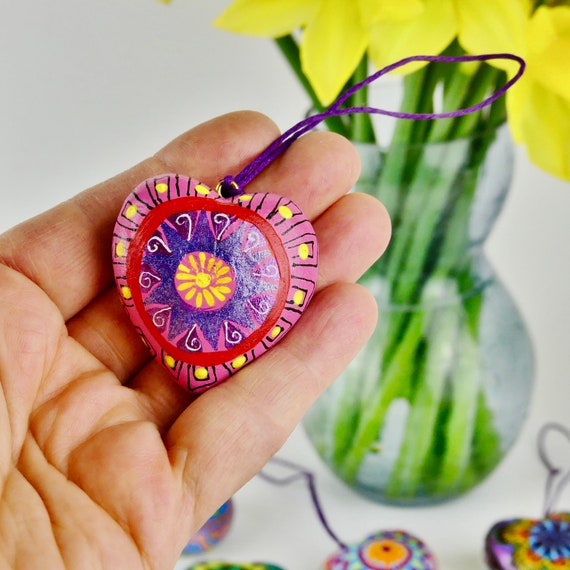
pixel 208 280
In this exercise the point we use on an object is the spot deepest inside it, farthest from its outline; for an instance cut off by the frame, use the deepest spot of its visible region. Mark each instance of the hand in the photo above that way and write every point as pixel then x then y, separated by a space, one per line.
pixel 105 462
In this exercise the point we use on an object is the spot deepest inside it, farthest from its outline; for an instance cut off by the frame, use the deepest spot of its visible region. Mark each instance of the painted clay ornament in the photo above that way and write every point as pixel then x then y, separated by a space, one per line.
pixel 526 544
pixel 233 566
pixel 385 550
pixel 211 283
pixel 542 543
pixel 213 531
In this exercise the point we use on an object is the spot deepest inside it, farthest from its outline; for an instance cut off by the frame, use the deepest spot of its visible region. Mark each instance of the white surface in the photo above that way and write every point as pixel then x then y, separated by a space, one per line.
pixel 89 87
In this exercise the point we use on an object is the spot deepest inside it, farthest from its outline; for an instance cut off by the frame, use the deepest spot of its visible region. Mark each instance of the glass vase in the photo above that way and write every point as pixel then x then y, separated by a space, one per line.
pixel 433 402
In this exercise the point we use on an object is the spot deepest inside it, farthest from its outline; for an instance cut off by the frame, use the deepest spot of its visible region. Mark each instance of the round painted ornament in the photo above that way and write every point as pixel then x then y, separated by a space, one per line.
pixel 385 550
pixel 214 530
pixel 542 543
pixel 528 544
pixel 233 566
pixel 211 283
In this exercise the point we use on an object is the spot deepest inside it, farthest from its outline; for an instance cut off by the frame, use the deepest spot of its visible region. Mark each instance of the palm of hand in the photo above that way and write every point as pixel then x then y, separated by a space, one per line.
pixel 104 461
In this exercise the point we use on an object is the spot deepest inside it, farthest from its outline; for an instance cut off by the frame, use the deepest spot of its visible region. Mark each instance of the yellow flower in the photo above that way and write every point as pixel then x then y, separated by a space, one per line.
pixel 335 32
pixel 444 20
pixel 539 105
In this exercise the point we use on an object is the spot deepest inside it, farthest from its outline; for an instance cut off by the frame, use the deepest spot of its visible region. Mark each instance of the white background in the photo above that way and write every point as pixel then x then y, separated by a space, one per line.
pixel 90 87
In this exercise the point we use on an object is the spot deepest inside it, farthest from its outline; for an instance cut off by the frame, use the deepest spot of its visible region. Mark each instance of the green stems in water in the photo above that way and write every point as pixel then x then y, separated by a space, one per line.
pixel 428 181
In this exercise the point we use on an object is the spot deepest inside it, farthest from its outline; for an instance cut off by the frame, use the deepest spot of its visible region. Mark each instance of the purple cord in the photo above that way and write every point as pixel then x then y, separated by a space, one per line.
pixel 553 492
pixel 233 185
pixel 300 473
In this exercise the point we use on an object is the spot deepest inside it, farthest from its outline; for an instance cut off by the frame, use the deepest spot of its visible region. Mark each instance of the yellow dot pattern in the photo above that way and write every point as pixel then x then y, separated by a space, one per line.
pixel 298 298
pixel 285 212
pixel 304 251
pixel 276 331
pixel 245 198
pixel 169 361
pixel 201 189
pixel 239 362
pixel 201 373
pixel 161 187
pixel 131 211
pixel 126 292
pixel 120 249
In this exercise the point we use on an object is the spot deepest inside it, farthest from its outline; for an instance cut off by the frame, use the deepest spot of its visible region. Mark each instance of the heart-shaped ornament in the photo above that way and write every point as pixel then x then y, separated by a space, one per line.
pixel 527 544
pixel 211 283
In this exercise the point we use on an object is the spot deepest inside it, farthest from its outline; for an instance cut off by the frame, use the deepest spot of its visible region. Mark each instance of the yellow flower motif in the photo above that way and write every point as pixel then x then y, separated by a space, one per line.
pixel 204 281
pixel 335 32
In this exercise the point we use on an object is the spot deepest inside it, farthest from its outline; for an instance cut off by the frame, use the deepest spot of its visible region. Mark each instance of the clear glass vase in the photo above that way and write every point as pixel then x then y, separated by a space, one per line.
pixel 439 394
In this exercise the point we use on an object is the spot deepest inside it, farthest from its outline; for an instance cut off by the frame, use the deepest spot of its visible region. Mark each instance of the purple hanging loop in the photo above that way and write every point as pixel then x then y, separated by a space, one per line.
pixel 553 491
pixel 300 473
pixel 234 185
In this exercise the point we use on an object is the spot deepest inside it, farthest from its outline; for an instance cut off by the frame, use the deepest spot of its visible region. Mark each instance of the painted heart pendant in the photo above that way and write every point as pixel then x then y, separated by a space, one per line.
pixel 526 544
pixel 211 283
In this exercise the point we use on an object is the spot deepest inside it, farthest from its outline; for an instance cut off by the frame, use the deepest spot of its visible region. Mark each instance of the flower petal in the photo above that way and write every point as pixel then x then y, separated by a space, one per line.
pixel 373 11
pixel 549 49
pixel 332 46
pixel 427 34
pixel 267 18
pixel 541 120
pixel 497 29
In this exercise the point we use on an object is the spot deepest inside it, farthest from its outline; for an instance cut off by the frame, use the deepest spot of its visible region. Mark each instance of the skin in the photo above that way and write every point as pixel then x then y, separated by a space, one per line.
pixel 105 462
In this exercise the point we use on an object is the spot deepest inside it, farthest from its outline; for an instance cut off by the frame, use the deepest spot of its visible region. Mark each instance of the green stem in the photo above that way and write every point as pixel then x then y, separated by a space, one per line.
pixel 290 50
pixel 400 368
pixel 361 129
pixel 429 194
pixel 396 162
pixel 441 325
pixel 465 385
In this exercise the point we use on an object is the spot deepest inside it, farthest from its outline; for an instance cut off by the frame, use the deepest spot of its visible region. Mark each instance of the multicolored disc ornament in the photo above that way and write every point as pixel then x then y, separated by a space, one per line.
pixel 542 543
pixel 215 529
pixel 526 544
pixel 211 283
pixel 233 566
pixel 386 550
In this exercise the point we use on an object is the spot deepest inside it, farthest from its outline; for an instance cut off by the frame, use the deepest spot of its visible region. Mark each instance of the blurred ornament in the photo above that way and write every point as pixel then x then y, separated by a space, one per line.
pixel 215 528
pixel 233 566
pixel 386 550
pixel 535 544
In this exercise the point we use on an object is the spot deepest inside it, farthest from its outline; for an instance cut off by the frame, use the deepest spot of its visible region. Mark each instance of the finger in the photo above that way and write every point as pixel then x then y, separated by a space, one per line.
pixel 66 251
pixel 104 329
pixel 352 234
pixel 252 415
pixel 315 171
